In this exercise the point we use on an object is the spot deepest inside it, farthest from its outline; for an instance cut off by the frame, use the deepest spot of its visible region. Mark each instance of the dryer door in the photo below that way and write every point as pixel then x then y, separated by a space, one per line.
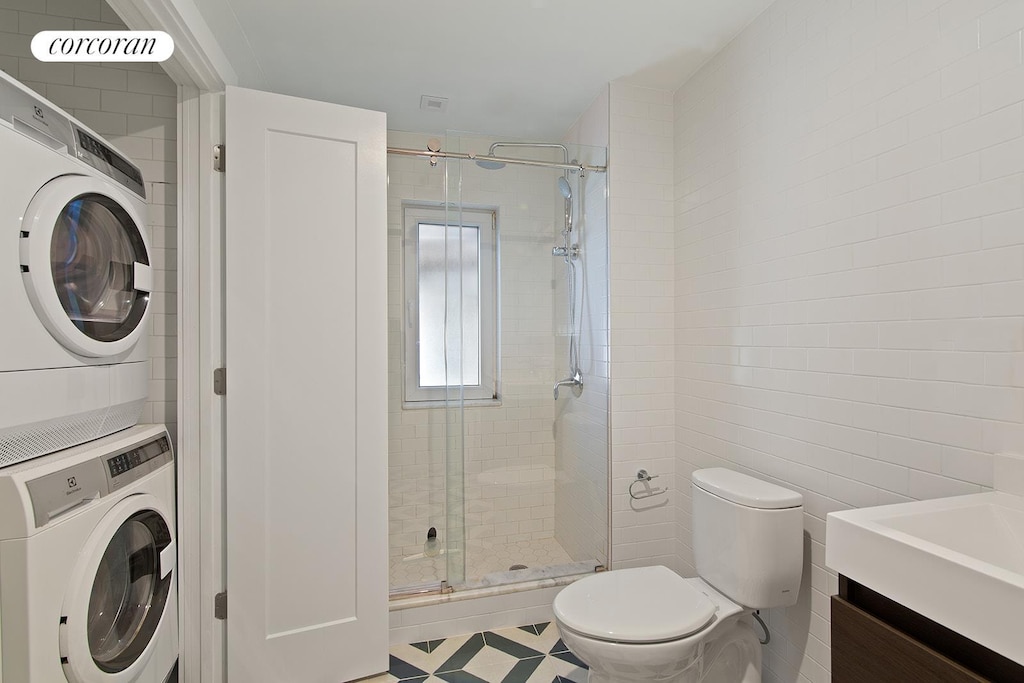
pixel 120 595
pixel 86 266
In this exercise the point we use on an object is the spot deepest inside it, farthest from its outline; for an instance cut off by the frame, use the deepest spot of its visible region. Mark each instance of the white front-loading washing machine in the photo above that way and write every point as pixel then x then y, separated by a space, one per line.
pixel 87 563
pixel 75 281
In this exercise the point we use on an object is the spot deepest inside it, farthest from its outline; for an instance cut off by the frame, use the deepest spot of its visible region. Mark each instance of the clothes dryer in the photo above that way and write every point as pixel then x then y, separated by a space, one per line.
pixel 75 281
pixel 87 563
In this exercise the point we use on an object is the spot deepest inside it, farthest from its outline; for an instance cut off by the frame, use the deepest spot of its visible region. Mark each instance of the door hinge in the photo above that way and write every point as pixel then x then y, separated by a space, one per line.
pixel 219 157
pixel 220 381
pixel 220 606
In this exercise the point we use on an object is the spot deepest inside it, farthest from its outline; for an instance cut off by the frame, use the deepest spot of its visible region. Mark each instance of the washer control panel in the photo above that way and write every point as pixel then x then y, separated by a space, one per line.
pixel 105 160
pixel 131 464
pixel 134 463
pixel 60 492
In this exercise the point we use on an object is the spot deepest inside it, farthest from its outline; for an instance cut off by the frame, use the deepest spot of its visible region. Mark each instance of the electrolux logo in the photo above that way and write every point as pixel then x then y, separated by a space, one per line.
pixel 102 46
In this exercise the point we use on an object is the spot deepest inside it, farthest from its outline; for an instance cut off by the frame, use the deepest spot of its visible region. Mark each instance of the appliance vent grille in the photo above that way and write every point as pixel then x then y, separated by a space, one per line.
pixel 122 417
pixel 39 438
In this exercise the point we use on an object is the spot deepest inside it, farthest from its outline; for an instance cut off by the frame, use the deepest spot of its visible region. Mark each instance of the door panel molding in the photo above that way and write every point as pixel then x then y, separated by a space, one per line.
pixel 306 282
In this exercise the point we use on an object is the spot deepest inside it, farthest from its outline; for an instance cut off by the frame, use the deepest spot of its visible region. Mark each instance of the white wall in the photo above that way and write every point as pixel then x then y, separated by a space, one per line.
pixel 849 207
pixel 642 323
pixel 134 107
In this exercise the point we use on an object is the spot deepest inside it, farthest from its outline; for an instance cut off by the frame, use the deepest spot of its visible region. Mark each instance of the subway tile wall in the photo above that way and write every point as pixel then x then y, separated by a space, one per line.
pixel 849 255
pixel 643 334
pixel 134 106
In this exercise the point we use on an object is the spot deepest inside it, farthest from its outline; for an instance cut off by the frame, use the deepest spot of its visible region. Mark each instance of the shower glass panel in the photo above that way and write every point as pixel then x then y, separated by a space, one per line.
pixel 532 471
pixel 462 325
pixel 498 290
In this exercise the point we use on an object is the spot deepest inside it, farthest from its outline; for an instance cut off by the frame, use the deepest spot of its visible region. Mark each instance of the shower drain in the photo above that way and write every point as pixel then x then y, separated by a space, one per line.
pixel 517 567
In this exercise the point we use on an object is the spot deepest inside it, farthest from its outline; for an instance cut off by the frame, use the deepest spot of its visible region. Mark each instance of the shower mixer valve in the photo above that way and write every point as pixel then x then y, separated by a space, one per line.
pixel 572 252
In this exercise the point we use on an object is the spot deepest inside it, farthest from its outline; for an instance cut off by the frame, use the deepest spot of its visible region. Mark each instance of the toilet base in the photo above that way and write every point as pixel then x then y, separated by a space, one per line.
pixel 735 657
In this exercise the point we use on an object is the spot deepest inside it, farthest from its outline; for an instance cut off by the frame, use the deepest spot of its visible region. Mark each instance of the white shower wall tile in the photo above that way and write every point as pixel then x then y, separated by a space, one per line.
pixel 848 191
pixel 101 95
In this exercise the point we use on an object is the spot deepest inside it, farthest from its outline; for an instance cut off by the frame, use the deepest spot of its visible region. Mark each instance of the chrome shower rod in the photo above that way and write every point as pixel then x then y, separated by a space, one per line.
pixel 434 156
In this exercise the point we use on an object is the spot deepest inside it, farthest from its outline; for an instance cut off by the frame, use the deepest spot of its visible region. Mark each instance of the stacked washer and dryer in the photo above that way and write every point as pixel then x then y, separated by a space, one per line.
pixel 88 575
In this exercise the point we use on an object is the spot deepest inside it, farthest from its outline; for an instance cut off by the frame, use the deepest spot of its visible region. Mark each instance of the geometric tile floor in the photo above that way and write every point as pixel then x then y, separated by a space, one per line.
pixel 527 654
pixel 483 558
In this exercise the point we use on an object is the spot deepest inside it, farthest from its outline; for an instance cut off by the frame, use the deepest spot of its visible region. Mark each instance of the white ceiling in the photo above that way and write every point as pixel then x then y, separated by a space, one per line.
pixel 517 68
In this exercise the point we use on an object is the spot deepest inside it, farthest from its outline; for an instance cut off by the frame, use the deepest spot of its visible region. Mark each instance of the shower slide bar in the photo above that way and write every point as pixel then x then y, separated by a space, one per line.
pixel 434 156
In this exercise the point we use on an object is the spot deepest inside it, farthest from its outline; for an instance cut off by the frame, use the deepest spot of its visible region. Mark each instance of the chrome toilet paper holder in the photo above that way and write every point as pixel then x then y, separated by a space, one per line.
pixel 643 477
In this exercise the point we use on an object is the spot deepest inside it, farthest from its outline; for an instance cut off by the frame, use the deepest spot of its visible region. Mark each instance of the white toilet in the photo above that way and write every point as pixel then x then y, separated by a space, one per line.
pixel 650 624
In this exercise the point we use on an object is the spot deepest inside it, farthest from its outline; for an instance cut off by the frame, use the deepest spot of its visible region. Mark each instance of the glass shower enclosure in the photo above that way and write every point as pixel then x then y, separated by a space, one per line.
pixel 498 387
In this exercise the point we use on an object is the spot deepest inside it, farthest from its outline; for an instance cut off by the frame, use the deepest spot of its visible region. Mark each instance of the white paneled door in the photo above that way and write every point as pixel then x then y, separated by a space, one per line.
pixel 306 281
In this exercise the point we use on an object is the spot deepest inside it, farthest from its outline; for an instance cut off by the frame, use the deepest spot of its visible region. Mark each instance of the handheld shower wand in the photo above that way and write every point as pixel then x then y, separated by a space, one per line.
pixel 570 252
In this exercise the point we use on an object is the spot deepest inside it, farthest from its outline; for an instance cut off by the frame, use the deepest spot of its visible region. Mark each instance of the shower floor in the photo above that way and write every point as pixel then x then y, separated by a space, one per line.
pixel 483 558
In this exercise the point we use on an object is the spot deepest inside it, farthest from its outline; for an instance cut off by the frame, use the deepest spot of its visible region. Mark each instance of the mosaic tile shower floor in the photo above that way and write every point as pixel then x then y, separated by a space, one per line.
pixel 484 558
pixel 527 654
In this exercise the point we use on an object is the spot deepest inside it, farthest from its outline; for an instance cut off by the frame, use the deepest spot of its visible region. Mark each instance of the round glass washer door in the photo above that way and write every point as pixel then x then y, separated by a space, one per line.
pixel 86 265
pixel 128 594
pixel 119 595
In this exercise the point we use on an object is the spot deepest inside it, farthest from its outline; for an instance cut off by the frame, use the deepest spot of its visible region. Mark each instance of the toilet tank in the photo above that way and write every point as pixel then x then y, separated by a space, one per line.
pixel 748 537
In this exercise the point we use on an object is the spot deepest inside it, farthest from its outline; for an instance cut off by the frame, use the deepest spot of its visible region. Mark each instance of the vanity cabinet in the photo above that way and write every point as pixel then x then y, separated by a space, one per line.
pixel 877 640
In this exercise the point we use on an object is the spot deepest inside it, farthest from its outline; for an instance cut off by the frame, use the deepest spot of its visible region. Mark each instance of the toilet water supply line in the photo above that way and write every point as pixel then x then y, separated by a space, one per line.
pixel 767 634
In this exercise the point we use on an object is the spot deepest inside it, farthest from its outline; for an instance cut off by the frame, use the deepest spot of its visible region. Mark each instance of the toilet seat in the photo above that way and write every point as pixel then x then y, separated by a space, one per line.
pixel 642 605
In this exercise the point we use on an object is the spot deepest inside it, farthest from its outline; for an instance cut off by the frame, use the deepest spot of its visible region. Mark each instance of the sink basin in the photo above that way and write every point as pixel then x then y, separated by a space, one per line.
pixel 958 561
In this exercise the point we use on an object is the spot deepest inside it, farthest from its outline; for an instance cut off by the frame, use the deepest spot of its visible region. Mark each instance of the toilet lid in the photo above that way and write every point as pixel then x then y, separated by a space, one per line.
pixel 643 605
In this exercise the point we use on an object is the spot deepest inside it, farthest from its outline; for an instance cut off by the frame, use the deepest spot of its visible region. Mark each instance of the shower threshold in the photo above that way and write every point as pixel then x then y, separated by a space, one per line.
pixel 499 583
pixel 483 559
pixel 489 566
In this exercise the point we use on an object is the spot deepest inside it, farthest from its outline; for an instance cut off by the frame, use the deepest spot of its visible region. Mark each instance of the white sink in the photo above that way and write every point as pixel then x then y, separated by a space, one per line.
pixel 958 561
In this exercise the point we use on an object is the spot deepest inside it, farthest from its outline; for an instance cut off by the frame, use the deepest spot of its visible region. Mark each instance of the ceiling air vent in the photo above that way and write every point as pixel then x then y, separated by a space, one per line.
pixel 431 103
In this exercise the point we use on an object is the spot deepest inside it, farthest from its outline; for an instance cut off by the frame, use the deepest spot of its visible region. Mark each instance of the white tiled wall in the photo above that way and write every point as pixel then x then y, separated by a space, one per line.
pixel 133 105
pixel 849 207
pixel 642 323
pixel 509 449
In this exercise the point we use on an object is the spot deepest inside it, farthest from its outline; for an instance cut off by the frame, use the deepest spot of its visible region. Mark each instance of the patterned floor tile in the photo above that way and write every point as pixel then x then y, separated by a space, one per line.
pixel 464 655
pixel 403 670
pixel 428 646
pixel 539 637
pixel 551 670
pixel 433 660
pixel 527 654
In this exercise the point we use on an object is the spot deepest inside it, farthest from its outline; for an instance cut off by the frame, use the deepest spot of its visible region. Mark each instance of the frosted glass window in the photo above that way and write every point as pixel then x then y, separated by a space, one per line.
pixel 450 286
pixel 433 257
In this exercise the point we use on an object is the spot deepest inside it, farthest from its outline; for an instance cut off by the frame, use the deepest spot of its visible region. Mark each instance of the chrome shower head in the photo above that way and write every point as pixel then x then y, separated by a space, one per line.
pixel 490 165
pixel 563 185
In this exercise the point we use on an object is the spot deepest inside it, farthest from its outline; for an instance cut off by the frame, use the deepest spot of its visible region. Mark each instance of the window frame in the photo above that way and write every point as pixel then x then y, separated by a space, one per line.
pixel 486 221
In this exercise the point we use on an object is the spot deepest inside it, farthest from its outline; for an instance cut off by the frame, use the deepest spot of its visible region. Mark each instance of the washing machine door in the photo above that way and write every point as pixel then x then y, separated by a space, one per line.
pixel 86 265
pixel 120 594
